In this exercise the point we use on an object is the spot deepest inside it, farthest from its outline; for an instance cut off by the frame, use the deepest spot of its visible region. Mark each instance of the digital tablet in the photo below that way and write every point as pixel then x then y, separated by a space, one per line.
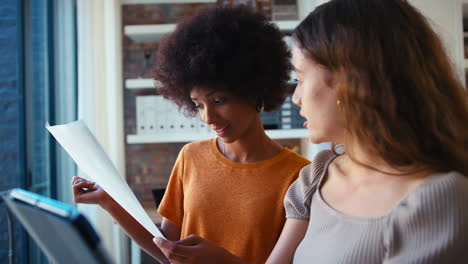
pixel 61 231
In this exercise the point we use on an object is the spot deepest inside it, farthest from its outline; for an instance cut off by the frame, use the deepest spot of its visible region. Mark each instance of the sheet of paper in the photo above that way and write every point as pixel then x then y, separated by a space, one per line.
pixel 85 150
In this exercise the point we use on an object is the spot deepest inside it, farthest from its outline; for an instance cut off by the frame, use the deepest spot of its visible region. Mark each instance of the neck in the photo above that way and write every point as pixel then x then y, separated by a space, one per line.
pixel 364 167
pixel 252 147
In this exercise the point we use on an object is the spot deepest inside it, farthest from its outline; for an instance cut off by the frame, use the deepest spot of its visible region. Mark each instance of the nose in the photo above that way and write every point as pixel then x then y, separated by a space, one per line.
pixel 208 115
pixel 297 97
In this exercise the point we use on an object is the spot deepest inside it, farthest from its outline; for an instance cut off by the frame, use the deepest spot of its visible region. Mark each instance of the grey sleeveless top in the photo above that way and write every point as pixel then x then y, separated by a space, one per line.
pixel 429 225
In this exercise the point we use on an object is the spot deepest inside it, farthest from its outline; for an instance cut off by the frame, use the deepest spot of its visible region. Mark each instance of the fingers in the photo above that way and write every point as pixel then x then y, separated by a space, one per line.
pixel 80 184
pixel 191 240
pixel 84 184
pixel 76 179
pixel 84 191
pixel 173 251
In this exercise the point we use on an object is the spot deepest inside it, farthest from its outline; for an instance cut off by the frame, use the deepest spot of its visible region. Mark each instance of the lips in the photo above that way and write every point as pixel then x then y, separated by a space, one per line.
pixel 220 131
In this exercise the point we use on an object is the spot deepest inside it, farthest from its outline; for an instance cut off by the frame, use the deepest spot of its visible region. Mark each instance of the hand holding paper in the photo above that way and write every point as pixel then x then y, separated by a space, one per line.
pixel 85 150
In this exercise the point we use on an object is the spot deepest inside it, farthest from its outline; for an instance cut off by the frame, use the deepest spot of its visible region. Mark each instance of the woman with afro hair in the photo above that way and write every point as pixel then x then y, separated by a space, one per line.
pixel 227 65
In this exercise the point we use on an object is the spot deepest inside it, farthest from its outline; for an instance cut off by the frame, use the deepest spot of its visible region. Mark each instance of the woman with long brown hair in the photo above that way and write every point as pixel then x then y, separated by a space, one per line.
pixel 374 77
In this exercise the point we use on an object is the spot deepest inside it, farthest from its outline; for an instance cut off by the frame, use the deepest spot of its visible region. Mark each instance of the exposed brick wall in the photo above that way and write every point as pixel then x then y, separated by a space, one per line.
pixel 149 167
pixel 159 13
pixel 11 137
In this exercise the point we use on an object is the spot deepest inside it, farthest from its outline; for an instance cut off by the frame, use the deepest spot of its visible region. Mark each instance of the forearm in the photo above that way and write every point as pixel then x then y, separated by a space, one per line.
pixel 292 234
pixel 134 230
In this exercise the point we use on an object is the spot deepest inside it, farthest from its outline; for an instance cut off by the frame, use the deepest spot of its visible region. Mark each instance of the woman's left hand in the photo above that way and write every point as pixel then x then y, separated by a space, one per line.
pixel 194 250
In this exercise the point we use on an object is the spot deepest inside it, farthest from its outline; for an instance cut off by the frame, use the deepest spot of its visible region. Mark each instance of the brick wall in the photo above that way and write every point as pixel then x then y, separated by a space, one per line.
pixel 11 138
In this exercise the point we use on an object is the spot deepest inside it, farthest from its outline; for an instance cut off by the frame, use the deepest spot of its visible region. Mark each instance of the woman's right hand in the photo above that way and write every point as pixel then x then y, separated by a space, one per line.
pixel 89 192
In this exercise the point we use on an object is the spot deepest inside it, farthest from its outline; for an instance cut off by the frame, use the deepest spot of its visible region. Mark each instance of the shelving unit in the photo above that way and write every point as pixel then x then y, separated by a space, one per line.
pixel 187 137
pixel 153 33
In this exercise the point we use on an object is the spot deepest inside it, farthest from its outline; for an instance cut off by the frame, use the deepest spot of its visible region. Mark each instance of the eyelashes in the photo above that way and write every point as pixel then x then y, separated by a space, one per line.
pixel 218 101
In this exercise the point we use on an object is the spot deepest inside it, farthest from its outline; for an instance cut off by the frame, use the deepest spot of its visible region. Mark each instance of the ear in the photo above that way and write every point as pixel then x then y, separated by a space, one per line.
pixel 330 77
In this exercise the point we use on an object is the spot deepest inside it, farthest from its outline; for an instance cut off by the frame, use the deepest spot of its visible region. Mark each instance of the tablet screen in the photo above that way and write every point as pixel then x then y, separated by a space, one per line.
pixel 62 233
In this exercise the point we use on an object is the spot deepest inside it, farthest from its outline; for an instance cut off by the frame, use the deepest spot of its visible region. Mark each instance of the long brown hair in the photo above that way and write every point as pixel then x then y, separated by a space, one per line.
pixel 400 97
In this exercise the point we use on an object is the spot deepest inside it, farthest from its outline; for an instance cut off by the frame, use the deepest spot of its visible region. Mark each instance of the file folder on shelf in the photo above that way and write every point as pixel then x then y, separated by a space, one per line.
pixel 156 115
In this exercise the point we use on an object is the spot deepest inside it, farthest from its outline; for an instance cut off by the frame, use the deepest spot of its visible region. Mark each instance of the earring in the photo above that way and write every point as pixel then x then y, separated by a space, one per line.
pixel 338 102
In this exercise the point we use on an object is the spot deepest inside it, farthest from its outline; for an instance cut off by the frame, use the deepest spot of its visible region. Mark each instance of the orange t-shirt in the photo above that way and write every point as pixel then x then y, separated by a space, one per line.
pixel 237 206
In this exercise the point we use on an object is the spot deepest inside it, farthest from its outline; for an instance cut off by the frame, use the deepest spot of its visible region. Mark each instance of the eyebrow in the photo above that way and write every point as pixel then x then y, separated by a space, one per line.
pixel 207 95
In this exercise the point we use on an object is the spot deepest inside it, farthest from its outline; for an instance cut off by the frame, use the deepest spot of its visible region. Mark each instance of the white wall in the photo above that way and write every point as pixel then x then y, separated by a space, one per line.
pixel 447 20
pixel 446 17
pixel 307 6
pixel 100 101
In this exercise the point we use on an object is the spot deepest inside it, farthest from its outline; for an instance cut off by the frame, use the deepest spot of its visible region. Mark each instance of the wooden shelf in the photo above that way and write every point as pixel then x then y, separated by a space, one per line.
pixel 142 83
pixel 185 137
pixel 153 33
pixel 148 33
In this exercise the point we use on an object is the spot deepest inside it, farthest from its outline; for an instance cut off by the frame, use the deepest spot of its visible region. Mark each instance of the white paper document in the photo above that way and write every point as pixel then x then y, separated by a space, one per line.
pixel 85 150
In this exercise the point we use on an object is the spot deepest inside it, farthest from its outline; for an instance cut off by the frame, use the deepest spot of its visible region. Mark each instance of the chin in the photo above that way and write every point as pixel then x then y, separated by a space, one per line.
pixel 316 139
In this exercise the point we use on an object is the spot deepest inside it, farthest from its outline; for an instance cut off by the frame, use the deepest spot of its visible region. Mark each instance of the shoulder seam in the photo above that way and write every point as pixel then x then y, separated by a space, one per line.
pixel 319 165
